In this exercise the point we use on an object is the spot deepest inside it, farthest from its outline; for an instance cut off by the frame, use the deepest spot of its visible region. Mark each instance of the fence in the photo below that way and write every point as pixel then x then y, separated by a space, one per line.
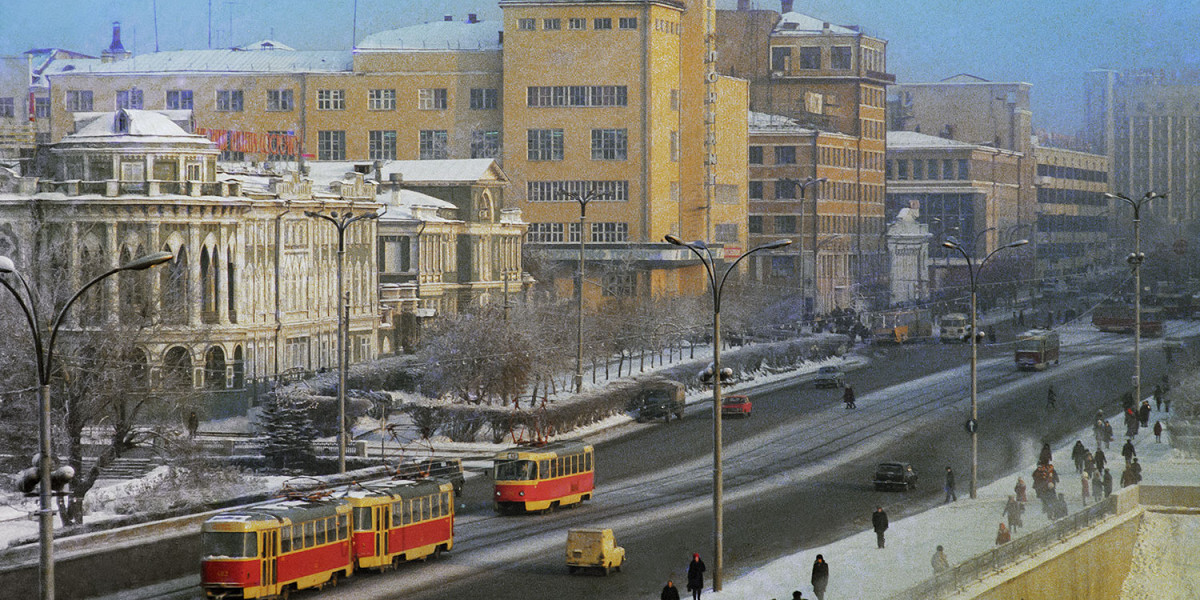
pixel 992 561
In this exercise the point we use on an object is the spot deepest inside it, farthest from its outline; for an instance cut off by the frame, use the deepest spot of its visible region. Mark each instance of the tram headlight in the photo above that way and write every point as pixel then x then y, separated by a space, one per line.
pixel 520 493
pixel 497 493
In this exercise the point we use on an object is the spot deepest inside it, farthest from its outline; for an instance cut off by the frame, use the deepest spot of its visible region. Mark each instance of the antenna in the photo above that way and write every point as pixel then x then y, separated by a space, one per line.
pixel 210 24
pixel 154 7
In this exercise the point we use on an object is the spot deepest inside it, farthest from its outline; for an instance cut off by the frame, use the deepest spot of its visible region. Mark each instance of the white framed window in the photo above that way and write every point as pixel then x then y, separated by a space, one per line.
pixel 79 100
pixel 432 99
pixel 576 24
pixel 331 99
pixel 331 145
pixel 545 144
pixel 552 24
pixel 544 233
pixel 41 108
pixel 229 101
pixel 381 145
pixel 602 23
pixel 627 23
pixel 381 99
pixel 609 144
pixel 280 100
pixel 484 98
pixel 485 144
pixel 131 99
pixel 179 99
pixel 577 95
pixel 194 171
pixel 556 191
pixel 527 24
pixel 434 144
pixel 601 233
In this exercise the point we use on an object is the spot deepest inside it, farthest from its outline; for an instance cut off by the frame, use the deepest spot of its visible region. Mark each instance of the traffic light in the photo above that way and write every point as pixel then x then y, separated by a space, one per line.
pixel 706 376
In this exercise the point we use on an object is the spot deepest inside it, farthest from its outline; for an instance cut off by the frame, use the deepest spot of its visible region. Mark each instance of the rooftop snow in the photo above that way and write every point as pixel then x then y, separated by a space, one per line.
pixel 794 22
pixel 759 121
pixel 141 123
pixel 898 140
pixel 466 170
pixel 437 35
pixel 274 60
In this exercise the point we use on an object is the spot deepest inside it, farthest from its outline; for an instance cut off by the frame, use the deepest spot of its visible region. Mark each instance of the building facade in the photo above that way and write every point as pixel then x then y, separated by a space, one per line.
pixel 1074 214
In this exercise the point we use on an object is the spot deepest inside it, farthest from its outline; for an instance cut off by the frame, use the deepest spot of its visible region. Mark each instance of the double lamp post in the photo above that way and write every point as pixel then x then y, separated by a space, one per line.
pixel 1135 260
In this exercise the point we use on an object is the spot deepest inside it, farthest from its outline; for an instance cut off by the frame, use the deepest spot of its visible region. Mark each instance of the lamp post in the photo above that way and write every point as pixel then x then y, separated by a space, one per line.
pixel 342 221
pixel 972 424
pixel 583 200
pixel 701 250
pixel 45 359
pixel 804 185
pixel 1135 260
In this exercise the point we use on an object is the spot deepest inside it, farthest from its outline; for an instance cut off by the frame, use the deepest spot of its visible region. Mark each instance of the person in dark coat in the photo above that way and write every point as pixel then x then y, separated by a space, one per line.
pixel 950 495
pixel 1158 396
pixel 820 577
pixel 1019 490
pixel 669 592
pixel 1099 459
pixel 879 521
pixel 1158 432
pixel 1137 471
pixel 1107 483
pixel 1144 413
pixel 1108 434
pixel 193 424
pixel 1077 454
pixel 1013 510
pixel 1128 477
pixel 1045 456
pixel 848 397
pixel 695 576
pixel 1128 452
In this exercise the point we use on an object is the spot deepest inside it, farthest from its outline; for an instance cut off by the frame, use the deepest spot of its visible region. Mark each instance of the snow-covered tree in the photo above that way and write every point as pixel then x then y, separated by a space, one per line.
pixel 288 431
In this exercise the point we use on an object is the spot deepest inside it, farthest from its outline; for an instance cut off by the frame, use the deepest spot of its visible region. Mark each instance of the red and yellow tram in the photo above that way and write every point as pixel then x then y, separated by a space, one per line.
pixel 399 521
pixel 273 549
pixel 536 479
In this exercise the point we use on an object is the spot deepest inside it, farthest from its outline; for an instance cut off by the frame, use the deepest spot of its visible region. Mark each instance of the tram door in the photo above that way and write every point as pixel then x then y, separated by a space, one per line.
pixel 269 544
pixel 383 514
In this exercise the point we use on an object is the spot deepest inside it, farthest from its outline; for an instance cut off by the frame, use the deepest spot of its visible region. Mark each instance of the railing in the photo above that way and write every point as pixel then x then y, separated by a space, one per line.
pixel 974 569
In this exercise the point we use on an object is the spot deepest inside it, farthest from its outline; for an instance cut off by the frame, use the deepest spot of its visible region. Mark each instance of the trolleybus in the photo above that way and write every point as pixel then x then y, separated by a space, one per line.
pixel 1119 318
pixel 542 478
pixel 1036 349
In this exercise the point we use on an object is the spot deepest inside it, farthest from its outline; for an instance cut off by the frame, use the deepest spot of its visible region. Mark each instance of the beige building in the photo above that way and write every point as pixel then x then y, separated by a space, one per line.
pixel 1073 212
pixel 251 292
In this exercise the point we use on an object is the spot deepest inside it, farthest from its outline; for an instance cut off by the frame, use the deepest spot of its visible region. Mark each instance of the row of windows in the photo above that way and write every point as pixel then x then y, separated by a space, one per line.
pixel 432 144
pixel 577 24
pixel 828 156
pixel 789 224
pixel 41 108
pixel 1075 173
pixel 1069 223
pixel 931 168
pixel 577 95
pixel 313 533
pixel 841 58
pixel 607 144
pixel 569 190
pixel 1078 197
pixel 282 100
pixel 406 511
pixel 565 465
pixel 601 233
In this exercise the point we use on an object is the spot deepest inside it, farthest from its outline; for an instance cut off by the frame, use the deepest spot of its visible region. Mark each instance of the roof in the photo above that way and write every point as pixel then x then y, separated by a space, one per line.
pixel 437 35
pixel 450 171
pixel 797 23
pixel 235 60
pixel 141 126
pixel 903 140
pixel 768 122
pixel 673 3
pixel 266 45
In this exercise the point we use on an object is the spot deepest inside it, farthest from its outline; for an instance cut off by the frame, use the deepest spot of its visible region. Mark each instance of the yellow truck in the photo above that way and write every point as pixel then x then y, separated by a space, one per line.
pixel 593 549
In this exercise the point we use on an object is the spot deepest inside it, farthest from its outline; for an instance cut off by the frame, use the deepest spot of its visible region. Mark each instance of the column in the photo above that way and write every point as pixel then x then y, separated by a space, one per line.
pixel 191 302
pixel 112 285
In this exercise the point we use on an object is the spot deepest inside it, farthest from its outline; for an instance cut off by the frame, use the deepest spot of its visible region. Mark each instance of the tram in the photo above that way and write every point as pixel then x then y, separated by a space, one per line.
pixel 400 521
pixel 543 478
pixel 1036 349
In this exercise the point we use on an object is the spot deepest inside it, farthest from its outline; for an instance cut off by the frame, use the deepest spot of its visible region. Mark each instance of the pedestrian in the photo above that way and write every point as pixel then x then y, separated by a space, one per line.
pixel 1128 452
pixel 1089 465
pixel 1098 486
pixel 1085 481
pixel 1077 454
pixel 1045 457
pixel 848 396
pixel 1158 396
pixel 695 576
pixel 1128 477
pixel 1099 459
pixel 1003 536
pixel 1166 403
pixel 1144 414
pixel 1012 512
pixel 669 591
pixel 1051 397
pixel 1108 434
pixel 1098 431
pixel 879 521
pixel 193 424
pixel 950 495
pixel 796 595
pixel 991 334
pixel 1158 432
pixel 1136 467
pixel 820 577
pixel 939 561
pixel 1019 489
pixel 1108 482
pixel 1131 422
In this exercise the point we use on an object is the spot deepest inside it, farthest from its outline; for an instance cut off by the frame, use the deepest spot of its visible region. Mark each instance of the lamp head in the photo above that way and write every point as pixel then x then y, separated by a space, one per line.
pixel 6 265
pixel 673 240
pixel 311 214
pixel 775 244
pixel 1020 242
pixel 147 261
pixel 952 245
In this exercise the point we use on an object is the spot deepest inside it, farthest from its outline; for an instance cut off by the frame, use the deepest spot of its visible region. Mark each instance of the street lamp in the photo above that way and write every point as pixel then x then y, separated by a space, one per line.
pixel 341 221
pixel 972 425
pixel 583 200
pixel 804 185
pixel 701 250
pixel 45 358
pixel 1135 260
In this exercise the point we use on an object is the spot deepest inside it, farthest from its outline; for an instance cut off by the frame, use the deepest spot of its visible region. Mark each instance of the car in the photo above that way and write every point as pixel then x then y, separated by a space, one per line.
pixel 736 405
pixel 659 399
pixel 830 376
pixel 895 475
pixel 593 549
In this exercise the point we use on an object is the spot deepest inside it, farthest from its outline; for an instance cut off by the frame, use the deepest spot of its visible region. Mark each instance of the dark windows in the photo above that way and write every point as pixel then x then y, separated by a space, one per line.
pixel 434 144
pixel 179 99
pixel 130 99
pixel 577 95
pixel 331 145
pixel 602 23
pixel 381 145
pixel 840 57
pixel 545 144
pixel 810 57
pixel 627 22
pixel 79 100
pixel 785 155
pixel 484 98
pixel 781 59
pixel 280 100
pixel 432 99
pixel 229 100
pixel 609 144
pixel 756 155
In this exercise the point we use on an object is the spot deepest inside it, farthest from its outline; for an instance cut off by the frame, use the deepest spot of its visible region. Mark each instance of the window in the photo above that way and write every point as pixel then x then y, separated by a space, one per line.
pixel 785 189
pixel 485 144
pixel 756 155
pixel 785 155
pixel 331 145
pixel 381 145
pixel 901 169
pixel 432 99
pixel 484 98
pixel 577 95
pixel 620 285
pixel 129 99
pixel 725 232
pixel 756 190
pixel 552 24
pixel 627 22
pixel 674 146
pixel 553 191
pixel 602 233
pixel 675 100
pixel 395 254
pixel 41 108
pixel 962 169
pixel 381 99
pixel 755 224
pixel 545 144
pixel 918 169
pixel 7 108
pixel 576 23
pixel 527 24
pixel 79 100
pixel 280 100
pixel 604 23
pixel 785 224
pixel 544 233
pixel 609 144
pixel 840 57
pixel 331 99
pixel 231 156
pixel 229 100
pixel 179 99
pixel 434 144
pixel 781 59
pixel 810 58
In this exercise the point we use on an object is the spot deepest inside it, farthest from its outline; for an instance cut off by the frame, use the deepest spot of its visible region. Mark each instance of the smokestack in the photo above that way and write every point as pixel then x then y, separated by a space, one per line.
pixel 785 6
pixel 115 50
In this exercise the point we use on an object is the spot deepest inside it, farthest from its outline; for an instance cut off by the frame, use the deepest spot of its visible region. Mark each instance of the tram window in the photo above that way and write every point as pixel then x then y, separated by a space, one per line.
pixel 449 506
pixel 544 468
pixel 297 538
pixel 403 507
pixel 510 470
pixel 587 461
pixel 319 532
pixel 310 534
pixel 231 544
pixel 436 499
pixel 285 539
pixel 426 508
pixel 362 518
pixel 553 468
pixel 343 527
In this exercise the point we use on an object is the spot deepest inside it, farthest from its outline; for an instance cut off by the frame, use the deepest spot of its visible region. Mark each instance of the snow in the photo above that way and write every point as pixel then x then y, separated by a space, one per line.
pixel 437 35
pixel 905 140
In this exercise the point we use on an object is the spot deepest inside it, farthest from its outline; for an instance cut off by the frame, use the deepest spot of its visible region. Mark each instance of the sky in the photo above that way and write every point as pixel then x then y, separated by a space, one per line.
pixel 1048 44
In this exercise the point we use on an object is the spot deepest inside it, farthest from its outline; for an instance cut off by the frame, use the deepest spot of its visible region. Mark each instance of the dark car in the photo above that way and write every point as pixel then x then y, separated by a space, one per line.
pixel 736 405
pixel 660 399
pixel 895 475
pixel 448 469
pixel 831 376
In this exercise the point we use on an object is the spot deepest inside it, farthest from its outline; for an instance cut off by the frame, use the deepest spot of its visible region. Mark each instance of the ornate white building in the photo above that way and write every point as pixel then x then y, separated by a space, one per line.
pixel 251 292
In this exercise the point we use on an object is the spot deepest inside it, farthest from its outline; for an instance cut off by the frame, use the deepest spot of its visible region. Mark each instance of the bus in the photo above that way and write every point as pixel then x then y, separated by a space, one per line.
pixel 955 327
pixel 1119 318
pixel 1036 348
pixel 401 520
pixel 543 478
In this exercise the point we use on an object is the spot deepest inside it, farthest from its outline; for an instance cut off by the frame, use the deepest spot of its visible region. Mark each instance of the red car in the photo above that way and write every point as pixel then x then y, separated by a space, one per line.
pixel 736 406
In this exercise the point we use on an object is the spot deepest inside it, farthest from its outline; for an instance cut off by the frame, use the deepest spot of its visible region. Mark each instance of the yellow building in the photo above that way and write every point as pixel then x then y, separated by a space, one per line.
pixel 1073 212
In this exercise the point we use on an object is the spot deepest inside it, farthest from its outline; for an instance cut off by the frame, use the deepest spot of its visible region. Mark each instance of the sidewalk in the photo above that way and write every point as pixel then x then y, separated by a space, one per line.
pixel 965 528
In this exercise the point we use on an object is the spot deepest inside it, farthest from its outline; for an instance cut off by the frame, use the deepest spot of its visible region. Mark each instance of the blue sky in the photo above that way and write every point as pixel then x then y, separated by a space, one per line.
pixel 1048 43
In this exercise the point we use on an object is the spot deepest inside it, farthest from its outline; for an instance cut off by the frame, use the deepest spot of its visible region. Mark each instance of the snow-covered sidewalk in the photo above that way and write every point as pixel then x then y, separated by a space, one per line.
pixel 965 528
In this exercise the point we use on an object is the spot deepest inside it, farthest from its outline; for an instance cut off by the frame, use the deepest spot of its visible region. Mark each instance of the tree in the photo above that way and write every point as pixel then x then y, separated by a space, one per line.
pixel 287 430
pixel 478 357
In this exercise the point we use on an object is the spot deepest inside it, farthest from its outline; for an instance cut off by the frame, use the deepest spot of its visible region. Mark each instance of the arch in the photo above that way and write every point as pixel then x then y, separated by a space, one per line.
pixel 231 285
pixel 486 207
pixel 177 369
pixel 90 310
pixel 173 287
pixel 239 368
pixel 210 284
pixel 214 368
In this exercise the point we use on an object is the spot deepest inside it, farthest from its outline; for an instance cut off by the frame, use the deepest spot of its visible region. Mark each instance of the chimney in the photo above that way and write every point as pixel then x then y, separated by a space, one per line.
pixel 743 5
pixel 448 18
pixel 472 18
pixel 785 6
pixel 825 27
pixel 115 50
